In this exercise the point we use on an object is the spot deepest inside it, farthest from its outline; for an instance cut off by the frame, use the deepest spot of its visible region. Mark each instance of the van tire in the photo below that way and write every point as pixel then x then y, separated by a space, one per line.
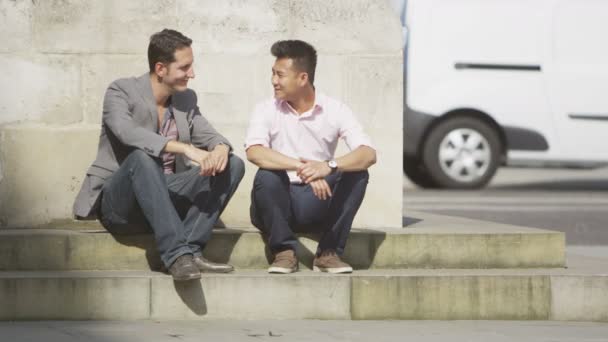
pixel 483 158
pixel 416 172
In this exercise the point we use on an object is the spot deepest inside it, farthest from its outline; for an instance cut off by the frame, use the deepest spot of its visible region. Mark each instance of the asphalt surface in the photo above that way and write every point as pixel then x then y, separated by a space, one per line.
pixel 573 201
pixel 311 330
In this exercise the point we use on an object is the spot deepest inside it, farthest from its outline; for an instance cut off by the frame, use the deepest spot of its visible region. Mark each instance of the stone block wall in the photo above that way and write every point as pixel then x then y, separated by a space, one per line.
pixel 58 56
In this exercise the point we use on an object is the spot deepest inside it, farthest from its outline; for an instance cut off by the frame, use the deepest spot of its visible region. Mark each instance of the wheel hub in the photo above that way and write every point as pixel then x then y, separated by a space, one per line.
pixel 464 155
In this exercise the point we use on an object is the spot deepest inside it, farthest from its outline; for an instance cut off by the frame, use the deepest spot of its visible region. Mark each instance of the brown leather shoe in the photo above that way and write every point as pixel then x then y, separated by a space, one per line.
pixel 205 266
pixel 184 269
pixel 330 262
pixel 284 262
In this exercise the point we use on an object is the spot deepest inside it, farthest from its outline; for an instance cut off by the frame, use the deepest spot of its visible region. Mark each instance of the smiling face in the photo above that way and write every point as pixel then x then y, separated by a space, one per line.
pixel 287 81
pixel 175 75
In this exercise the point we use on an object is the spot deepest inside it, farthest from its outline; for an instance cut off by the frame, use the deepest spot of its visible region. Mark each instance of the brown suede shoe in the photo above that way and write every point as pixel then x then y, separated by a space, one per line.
pixel 330 262
pixel 183 269
pixel 284 262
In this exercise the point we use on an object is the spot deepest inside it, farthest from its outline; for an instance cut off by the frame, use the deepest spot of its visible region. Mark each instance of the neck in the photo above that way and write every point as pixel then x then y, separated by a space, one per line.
pixel 305 101
pixel 160 92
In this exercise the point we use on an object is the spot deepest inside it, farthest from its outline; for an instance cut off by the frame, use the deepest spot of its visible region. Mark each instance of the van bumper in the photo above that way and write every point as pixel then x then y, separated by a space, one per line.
pixel 415 126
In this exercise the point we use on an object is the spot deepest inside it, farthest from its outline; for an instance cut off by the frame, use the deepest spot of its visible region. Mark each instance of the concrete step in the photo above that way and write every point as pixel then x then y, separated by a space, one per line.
pixel 428 241
pixel 578 294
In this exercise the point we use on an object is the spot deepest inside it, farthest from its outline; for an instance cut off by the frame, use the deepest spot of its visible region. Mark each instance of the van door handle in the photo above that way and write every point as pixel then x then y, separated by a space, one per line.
pixel 487 66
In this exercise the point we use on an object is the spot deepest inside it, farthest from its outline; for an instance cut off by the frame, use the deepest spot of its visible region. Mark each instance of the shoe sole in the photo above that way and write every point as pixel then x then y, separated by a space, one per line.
pixel 217 271
pixel 188 278
pixel 282 270
pixel 333 270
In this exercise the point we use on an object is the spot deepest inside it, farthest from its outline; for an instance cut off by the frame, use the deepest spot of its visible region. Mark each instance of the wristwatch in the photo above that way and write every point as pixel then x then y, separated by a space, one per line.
pixel 333 165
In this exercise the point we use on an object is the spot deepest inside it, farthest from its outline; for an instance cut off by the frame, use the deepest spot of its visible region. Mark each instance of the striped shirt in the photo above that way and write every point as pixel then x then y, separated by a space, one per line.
pixel 168 129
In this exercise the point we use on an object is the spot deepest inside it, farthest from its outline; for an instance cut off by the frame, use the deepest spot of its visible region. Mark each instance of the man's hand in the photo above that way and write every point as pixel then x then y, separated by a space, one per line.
pixel 202 158
pixel 321 189
pixel 311 170
pixel 219 158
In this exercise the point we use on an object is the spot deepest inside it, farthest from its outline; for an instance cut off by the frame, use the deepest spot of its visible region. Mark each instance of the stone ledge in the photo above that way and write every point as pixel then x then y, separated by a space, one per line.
pixel 404 294
pixel 429 243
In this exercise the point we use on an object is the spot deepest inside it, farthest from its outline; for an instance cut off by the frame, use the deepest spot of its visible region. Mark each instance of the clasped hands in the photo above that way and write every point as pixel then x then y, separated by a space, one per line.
pixel 314 173
pixel 211 163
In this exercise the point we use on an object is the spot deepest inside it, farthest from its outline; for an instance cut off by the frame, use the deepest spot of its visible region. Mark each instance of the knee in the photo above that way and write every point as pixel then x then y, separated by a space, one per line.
pixel 356 176
pixel 364 175
pixel 139 158
pixel 137 154
pixel 270 179
pixel 356 179
pixel 236 168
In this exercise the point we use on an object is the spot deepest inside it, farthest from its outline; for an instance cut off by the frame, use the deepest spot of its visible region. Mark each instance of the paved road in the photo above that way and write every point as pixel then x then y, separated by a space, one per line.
pixel 568 200
pixel 317 331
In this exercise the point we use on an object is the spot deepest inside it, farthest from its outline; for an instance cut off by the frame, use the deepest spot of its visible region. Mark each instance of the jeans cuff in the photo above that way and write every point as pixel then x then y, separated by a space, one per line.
pixel 182 251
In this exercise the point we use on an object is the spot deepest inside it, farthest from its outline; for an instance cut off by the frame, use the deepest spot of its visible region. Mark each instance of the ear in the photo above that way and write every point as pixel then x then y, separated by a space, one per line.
pixel 303 78
pixel 160 69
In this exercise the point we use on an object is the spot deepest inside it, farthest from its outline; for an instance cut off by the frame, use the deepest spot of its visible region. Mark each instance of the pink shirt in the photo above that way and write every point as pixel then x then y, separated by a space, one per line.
pixel 311 135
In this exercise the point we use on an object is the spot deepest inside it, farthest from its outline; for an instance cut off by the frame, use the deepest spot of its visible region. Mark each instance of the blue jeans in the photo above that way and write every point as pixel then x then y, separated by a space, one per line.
pixel 180 209
pixel 278 207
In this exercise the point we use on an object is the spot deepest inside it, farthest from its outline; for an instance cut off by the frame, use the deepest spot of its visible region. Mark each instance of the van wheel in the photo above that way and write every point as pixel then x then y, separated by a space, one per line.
pixel 462 153
pixel 415 171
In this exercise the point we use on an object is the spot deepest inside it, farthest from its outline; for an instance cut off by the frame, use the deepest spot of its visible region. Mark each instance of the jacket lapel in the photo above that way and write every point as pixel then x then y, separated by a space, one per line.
pixel 145 88
pixel 181 121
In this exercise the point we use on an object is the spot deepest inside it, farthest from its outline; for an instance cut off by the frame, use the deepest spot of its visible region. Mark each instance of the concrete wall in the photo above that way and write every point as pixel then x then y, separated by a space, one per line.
pixel 58 56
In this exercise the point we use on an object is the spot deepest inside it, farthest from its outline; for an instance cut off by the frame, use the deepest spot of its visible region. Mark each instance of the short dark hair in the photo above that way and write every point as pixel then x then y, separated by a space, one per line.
pixel 304 55
pixel 163 45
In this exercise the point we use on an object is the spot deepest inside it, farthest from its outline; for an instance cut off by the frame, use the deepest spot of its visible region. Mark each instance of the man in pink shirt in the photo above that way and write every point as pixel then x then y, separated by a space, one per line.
pixel 292 138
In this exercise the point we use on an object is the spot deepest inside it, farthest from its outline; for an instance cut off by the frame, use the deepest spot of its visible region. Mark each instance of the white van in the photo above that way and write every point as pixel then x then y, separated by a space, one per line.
pixel 493 82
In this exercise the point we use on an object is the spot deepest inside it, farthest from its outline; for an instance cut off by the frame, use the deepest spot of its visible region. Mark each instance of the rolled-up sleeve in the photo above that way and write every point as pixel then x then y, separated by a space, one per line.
pixel 258 132
pixel 352 131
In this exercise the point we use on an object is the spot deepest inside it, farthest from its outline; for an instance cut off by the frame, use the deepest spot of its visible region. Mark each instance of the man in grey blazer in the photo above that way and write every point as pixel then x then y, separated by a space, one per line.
pixel 160 163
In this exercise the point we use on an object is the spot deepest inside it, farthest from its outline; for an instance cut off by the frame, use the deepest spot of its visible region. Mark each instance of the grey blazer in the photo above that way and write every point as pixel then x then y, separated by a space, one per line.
pixel 130 121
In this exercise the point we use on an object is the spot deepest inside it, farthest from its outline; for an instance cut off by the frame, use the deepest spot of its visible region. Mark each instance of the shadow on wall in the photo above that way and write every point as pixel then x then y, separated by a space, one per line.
pixel 191 293
pixel 360 250
pixel 145 240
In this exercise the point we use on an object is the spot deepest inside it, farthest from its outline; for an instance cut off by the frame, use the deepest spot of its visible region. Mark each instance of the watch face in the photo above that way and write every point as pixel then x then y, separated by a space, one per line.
pixel 332 164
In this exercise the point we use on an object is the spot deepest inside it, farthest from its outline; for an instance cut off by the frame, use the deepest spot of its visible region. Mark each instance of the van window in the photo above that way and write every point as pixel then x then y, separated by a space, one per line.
pixel 581 32
pixel 489 31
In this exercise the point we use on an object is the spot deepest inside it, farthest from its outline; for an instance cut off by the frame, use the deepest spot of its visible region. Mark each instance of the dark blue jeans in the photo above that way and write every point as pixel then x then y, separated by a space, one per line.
pixel 180 209
pixel 278 207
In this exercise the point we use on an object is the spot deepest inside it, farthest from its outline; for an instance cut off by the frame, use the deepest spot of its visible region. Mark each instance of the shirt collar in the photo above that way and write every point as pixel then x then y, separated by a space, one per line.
pixel 316 108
